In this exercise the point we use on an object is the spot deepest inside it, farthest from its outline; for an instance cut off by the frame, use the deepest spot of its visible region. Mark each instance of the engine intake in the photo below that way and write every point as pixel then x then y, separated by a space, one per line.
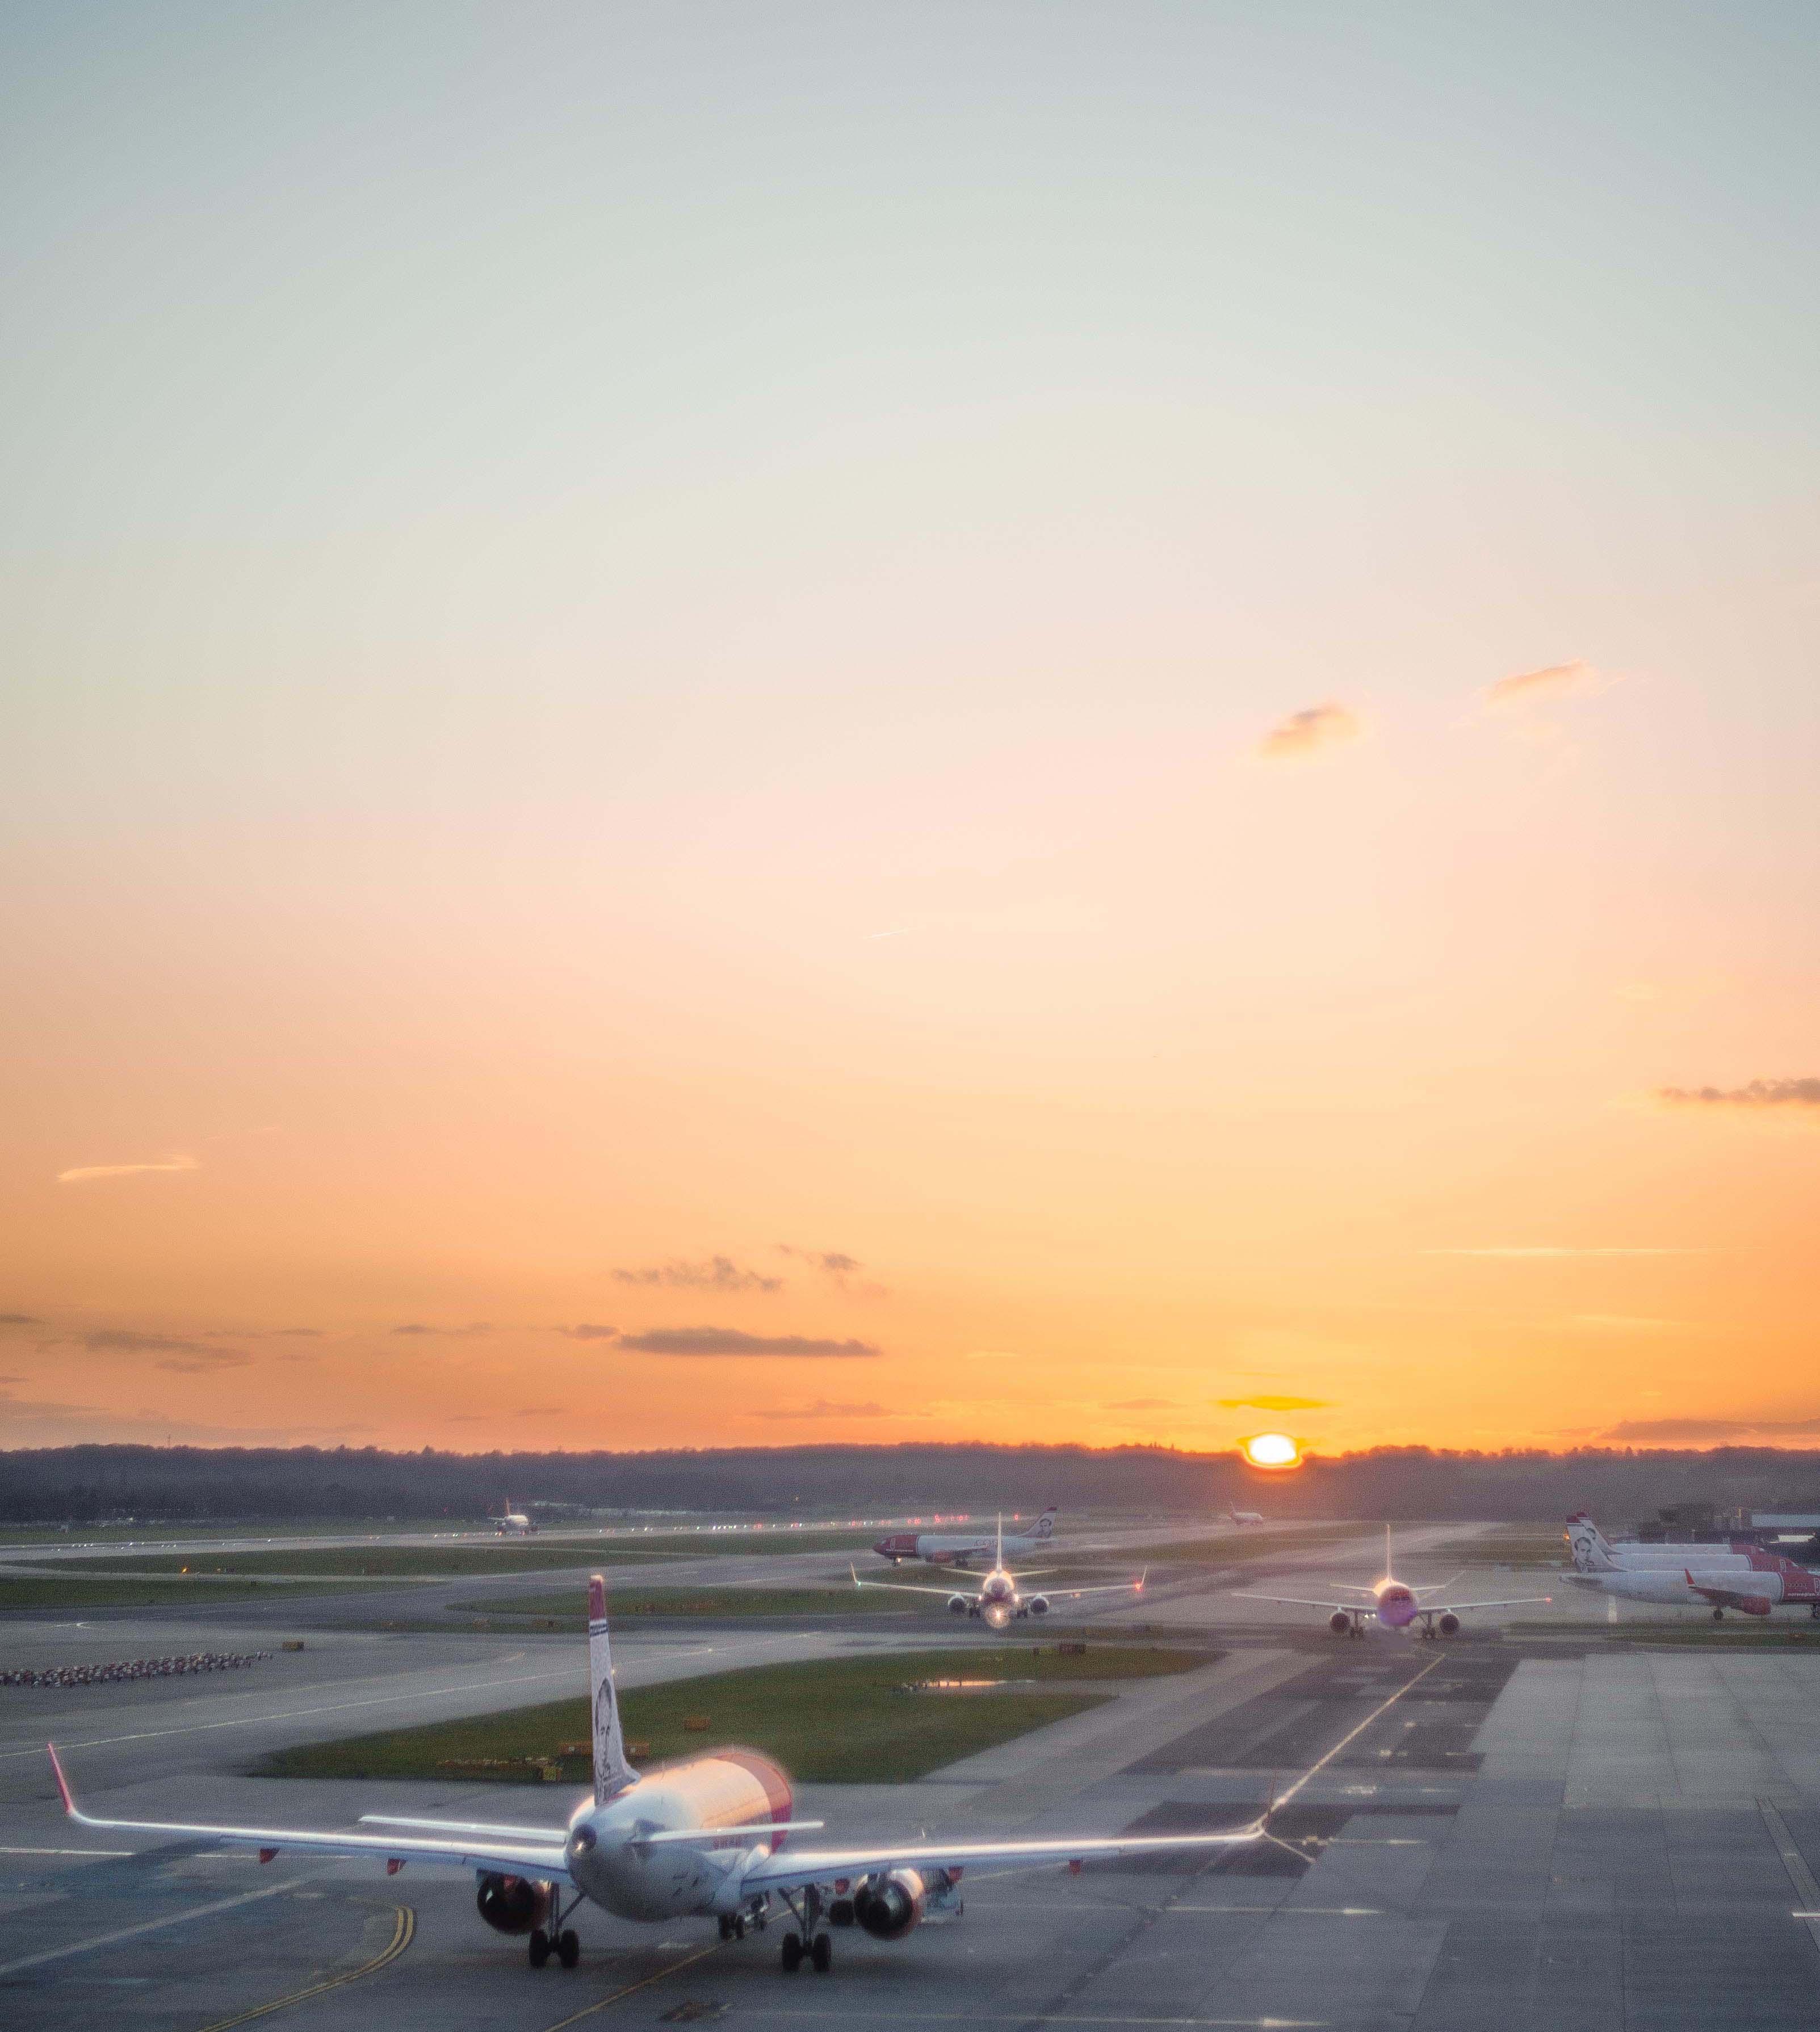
pixel 888 1907
pixel 513 1904
pixel 1339 1622
pixel 957 1605
pixel 1038 1604
pixel 1448 1625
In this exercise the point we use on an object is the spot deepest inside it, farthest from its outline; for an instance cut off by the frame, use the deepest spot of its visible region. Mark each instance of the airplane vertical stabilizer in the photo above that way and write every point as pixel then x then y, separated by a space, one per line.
pixel 611 1772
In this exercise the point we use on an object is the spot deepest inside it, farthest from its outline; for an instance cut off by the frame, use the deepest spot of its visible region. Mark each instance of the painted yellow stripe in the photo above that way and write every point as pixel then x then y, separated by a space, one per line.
pixel 631 1988
pixel 404 1925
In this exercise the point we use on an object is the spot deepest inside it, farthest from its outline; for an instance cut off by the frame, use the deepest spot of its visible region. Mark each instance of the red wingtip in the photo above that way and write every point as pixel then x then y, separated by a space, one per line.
pixel 596 1598
pixel 62 1782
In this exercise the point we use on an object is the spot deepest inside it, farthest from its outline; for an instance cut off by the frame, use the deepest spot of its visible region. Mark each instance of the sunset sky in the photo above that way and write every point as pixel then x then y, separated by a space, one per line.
pixel 738 724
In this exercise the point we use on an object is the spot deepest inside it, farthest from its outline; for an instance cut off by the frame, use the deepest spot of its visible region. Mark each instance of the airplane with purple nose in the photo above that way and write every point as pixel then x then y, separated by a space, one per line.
pixel 1394 1604
pixel 1000 1602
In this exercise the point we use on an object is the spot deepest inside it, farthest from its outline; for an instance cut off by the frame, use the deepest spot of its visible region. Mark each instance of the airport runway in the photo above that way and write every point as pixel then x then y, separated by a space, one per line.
pixel 1512 1834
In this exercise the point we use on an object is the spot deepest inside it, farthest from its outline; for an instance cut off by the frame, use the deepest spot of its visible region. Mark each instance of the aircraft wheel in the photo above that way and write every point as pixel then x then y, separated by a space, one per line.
pixel 569 1947
pixel 726 1927
pixel 821 1953
pixel 792 1953
pixel 1718 1616
pixel 538 1948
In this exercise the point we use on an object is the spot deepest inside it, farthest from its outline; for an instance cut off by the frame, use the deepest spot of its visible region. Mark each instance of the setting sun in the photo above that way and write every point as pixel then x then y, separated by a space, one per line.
pixel 1272 1449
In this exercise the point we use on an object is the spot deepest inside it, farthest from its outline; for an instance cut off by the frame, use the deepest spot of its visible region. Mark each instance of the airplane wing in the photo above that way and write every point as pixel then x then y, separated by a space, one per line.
pixel 1108 1587
pixel 1722 1597
pixel 1302 1601
pixel 904 1587
pixel 796 1868
pixel 507 1851
pixel 1460 1607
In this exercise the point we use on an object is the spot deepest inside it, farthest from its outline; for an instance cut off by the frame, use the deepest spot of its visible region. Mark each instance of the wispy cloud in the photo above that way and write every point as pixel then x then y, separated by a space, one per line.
pixel 1546 1251
pixel 587 1330
pixel 1303 732
pixel 728 1340
pixel 822 1408
pixel 1790 1097
pixel 1529 687
pixel 1268 1404
pixel 717 1273
pixel 1710 1432
pixel 1624 1322
pixel 81 1173
pixel 20 1320
pixel 838 1267
pixel 184 1357
pixel 416 1327
pixel 1143 1404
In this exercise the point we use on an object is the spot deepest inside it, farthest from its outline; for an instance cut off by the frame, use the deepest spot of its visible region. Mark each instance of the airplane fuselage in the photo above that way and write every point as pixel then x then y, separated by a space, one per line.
pixel 637 1879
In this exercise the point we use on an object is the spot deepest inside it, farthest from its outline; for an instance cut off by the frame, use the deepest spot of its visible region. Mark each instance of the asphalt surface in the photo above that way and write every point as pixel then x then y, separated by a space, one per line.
pixel 1530 1827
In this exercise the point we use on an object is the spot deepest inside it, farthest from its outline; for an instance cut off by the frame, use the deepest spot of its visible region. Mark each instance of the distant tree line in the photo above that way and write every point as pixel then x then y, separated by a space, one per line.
pixel 99 1484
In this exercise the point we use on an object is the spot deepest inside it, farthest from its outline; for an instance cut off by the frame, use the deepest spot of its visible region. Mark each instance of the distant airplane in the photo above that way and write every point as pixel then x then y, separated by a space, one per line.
pixel 1743 1577
pixel 1394 1604
pixel 514 1524
pixel 705 1837
pixel 950 1550
pixel 1243 1517
pixel 998 1603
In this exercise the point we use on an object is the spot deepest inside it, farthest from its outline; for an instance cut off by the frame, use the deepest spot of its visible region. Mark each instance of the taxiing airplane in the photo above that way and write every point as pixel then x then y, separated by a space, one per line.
pixel 1767 1582
pixel 1595 1553
pixel 1243 1517
pixel 1394 1604
pixel 999 1604
pixel 706 1837
pixel 514 1524
pixel 950 1550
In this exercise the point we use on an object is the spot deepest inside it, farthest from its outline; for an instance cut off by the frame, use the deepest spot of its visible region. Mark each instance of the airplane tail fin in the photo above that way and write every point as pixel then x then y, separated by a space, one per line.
pixel 611 1772
pixel 999 1556
pixel 1389 1569
pixel 1591 1550
pixel 1046 1523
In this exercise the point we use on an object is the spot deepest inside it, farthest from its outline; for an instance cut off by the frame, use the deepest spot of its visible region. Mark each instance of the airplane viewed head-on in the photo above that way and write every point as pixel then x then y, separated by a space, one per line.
pixel 710 1836
pixel 1393 1604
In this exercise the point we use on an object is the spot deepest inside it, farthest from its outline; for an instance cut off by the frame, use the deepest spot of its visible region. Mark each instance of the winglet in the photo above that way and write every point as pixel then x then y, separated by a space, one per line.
pixel 854 1571
pixel 62 1782
pixel 1144 1576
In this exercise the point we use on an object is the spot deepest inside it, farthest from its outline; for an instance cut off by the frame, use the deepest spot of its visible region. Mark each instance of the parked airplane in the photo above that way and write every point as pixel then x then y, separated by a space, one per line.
pixel 1243 1517
pixel 998 1603
pixel 1595 1553
pixel 1753 1587
pixel 514 1524
pixel 706 1837
pixel 1394 1603
pixel 950 1550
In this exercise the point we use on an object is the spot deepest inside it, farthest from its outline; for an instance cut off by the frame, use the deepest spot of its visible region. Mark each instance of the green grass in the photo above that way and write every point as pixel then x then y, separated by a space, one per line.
pixel 568 1609
pixel 1515 1547
pixel 1229 1549
pixel 77 1593
pixel 829 1721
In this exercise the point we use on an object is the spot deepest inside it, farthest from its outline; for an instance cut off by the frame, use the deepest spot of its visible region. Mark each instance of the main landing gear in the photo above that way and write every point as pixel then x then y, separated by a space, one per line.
pixel 562 1941
pixel 811 1945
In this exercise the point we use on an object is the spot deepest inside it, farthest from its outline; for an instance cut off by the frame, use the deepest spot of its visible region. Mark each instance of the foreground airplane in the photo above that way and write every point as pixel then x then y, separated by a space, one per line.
pixel 951 1549
pixel 998 1602
pixel 1394 1603
pixel 706 1837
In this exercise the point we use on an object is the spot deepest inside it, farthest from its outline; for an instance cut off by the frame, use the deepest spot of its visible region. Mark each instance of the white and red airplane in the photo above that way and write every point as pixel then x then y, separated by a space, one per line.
pixel 706 1837
pixel 999 1603
pixel 1394 1604
pixel 514 1524
pixel 951 1549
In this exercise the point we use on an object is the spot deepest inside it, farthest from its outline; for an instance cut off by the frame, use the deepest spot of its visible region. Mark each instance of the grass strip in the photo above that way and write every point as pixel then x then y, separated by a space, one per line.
pixel 568 1609
pixel 59 1593
pixel 828 1721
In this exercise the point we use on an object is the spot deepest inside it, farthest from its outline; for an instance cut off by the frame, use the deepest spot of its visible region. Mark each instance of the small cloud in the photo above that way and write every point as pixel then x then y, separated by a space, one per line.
pixel 1142 1404
pixel 717 1273
pixel 1710 1432
pixel 452 1333
pixel 1272 1403
pixel 20 1320
pixel 1314 727
pixel 1526 687
pixel 898 933
pixel 1793 1098
pixel 837 1266
pixel 587 1330
pixel 821 1408
pixel 728 1340
pixel 80 1174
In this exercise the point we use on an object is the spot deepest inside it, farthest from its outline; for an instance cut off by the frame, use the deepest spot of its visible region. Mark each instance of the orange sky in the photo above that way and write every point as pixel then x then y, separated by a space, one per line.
pixel 980 751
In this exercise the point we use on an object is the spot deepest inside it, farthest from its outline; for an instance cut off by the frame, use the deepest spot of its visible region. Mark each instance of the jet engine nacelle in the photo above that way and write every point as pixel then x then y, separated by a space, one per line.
pixel 1754 1604
pixel 1448 1625
pixel 958 1604
pixel 889 1906
pixel 513 1904
pixel 1339 1622
pixel 1038 1604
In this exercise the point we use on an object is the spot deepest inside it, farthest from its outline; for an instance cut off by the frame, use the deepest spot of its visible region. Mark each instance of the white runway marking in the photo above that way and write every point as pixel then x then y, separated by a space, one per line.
pixel 68 1851
pixel 152 1925
pixel 1799 1875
